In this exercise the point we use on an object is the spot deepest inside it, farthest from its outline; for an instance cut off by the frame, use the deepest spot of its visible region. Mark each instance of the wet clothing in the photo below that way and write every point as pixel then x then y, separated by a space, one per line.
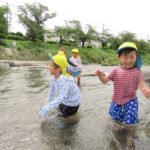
pixel 63 91
pixel 127 113
pixel 67 110
pixel 125 84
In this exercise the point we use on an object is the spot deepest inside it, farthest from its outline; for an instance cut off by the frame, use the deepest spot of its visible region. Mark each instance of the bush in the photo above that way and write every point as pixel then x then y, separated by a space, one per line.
pixel 2 36
pixel 15 37
pixel 66 43
pixel 3 43
pixel 19 34
pixel 38 40
pixel 51 42
pixel 19 48
pixel 89 46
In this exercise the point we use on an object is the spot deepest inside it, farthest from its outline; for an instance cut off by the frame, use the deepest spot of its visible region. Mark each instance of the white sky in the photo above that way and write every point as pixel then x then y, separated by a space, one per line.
pixel 116 15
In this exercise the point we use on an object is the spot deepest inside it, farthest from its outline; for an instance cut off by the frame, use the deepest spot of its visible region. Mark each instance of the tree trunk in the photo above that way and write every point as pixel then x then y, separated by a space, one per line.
pixel 83 42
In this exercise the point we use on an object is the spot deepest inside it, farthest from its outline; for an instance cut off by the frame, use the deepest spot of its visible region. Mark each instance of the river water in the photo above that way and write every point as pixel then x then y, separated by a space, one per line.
pixel 24 90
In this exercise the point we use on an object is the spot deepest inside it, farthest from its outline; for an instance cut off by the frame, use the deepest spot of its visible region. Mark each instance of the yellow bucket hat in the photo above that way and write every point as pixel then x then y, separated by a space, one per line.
pixel 61 53
pixel 125 46
pixel 61 61
pixel 133 46
pixel 75 50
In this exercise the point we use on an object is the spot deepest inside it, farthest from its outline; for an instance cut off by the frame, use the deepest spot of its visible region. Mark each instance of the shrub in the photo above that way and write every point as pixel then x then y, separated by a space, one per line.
pixel 19 34
pixel 89 46
pixel 14 37
pixel 3 43
pixel 66 43
pixel 51 42
pixel 2 36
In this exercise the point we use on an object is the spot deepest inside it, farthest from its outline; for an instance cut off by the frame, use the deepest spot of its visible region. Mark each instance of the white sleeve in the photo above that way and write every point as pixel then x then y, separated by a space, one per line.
pixel 63 94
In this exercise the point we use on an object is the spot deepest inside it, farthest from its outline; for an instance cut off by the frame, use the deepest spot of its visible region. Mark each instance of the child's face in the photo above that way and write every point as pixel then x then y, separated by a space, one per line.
pixel 63 49
pixel 53 69
pixel 128 60
pixel 75 55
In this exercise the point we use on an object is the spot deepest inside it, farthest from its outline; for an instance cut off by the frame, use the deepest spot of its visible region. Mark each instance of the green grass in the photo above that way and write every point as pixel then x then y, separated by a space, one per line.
pixel 27 50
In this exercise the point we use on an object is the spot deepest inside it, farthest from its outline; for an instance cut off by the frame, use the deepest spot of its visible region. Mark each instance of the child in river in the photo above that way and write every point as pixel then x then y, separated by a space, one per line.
pixel 76 71
pixel 127 78
pixel 62 52
pixel 64 86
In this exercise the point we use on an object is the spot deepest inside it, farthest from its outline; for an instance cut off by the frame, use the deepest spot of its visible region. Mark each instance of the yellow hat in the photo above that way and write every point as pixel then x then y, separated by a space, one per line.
pixel 133 46
pixel 75 50
pixel 61 53
pixel 62 62
pixel 125 46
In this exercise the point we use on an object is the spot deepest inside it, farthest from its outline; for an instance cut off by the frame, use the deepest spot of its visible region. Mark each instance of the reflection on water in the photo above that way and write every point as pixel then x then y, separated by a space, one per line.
pixel 23 91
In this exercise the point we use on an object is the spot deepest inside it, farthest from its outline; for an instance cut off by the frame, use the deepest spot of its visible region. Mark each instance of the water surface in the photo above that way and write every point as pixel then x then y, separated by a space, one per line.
pixel 24 90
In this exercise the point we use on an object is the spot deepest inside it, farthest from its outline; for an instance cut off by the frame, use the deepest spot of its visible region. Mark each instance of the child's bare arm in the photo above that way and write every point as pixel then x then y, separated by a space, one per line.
pixel 101 76
pixel 144 88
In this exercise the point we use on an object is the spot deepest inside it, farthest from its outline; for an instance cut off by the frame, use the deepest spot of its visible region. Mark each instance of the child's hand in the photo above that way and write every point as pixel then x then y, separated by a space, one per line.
pixel 98 72
pixel 146 93
pixel 42 112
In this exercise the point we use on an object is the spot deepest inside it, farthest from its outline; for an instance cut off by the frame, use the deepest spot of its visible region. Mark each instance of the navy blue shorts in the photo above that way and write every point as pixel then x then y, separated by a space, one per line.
pixel 127 113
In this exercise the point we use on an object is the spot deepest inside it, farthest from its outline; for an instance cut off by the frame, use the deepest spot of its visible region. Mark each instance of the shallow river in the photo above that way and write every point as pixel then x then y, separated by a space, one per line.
pixel 24 90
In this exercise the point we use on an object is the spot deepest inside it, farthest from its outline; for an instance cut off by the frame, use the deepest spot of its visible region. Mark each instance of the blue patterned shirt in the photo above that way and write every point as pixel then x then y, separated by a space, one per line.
pixel 63 90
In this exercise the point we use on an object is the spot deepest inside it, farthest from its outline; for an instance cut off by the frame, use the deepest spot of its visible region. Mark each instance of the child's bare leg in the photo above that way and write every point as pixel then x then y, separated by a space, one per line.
pixel 78 79
pixel 117 125
pixel 131 135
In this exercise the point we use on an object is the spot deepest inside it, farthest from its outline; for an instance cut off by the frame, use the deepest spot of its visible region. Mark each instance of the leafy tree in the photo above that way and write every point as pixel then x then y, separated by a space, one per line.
pixel 127 36
pixel 81 35
pixel 104 37
pixel 143 47
pixel 33 18
pixel 3 19
pixel 64 33
pixel 115 42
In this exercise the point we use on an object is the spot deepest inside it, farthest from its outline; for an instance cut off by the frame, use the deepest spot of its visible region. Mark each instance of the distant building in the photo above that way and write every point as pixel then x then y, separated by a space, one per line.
pixel 49 37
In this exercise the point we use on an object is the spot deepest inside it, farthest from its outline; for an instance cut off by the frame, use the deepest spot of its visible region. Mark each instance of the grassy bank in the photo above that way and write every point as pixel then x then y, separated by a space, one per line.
pixel 27 50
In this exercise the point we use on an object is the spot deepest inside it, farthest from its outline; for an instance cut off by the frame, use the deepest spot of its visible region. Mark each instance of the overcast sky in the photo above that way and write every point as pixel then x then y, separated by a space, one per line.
pixel 116 15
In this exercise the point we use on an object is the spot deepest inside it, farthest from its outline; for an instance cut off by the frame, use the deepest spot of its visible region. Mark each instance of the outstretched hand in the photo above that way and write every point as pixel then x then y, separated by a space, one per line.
pixel 146 93
pixel 98 72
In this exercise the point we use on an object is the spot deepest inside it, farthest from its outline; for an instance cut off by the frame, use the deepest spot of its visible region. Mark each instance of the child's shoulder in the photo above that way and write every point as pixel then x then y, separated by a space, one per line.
pixel 64 78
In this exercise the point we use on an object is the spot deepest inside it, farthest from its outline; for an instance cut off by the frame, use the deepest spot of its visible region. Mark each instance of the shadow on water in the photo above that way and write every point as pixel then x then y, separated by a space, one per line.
pixel 59 131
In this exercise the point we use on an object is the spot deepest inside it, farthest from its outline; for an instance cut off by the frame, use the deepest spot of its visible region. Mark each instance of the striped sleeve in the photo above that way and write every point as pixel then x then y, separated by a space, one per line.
pixel 111 75
pixel 140 77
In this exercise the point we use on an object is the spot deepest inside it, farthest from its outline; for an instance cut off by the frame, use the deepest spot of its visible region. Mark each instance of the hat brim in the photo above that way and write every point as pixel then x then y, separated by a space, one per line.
pixel 121 49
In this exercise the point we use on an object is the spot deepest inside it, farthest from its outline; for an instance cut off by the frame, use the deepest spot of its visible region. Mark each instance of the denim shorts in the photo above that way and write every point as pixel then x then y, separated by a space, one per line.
pixel 127 113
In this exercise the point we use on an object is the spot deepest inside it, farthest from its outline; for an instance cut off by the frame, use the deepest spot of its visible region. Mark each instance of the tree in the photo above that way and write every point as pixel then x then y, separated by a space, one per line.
pixel 81 35
pixel 127 36
pixel 104 37
pixel 115 42
pixel 64 33
pixel 33 18
pixel 3 19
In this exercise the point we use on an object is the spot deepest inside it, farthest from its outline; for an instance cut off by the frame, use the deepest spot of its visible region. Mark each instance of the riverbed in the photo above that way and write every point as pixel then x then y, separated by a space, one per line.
pixel 24 90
